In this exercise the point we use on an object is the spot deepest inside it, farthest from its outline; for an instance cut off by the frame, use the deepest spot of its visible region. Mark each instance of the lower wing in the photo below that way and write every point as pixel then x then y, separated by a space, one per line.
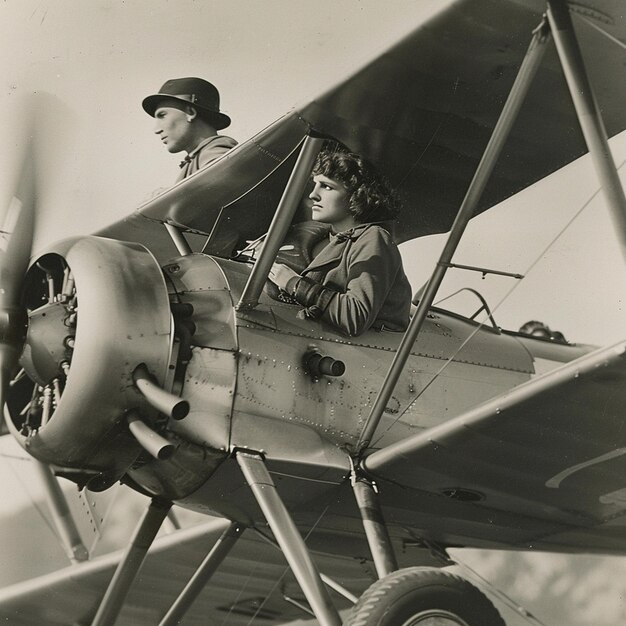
pixel 542 466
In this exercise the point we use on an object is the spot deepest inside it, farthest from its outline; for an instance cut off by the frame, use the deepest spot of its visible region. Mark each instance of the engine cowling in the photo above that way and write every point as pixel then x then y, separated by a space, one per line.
pixel 98 308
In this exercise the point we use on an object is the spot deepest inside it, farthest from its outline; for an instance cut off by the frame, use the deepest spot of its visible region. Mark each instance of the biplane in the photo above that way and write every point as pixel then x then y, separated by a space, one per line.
pixel 152 355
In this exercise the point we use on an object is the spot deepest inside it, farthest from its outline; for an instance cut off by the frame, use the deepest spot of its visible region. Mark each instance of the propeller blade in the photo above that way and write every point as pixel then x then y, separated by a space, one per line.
pixel 16 241
pixel 2 358
pixel 16 235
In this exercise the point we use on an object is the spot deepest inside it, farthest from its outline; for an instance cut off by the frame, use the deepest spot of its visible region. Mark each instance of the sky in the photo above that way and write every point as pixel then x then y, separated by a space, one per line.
pixel 97 60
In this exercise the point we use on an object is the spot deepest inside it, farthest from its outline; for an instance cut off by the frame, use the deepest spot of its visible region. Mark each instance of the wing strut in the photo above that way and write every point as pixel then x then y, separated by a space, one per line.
pixel 530 64
pixel 182 245
pixel 281 222
pixel 288 537
pixel 202 575
pixel 128 567
pixel 588 113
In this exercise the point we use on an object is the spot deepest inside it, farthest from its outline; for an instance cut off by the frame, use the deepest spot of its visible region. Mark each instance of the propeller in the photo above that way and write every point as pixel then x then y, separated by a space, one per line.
pixel 16 241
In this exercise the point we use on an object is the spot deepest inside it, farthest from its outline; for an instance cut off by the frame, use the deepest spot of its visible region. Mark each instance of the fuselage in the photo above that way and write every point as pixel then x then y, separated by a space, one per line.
pixel 248 375
pixel 248 384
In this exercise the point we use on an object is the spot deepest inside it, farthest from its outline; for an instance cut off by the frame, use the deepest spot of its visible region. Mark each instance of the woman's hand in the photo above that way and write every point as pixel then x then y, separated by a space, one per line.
pixel 280 275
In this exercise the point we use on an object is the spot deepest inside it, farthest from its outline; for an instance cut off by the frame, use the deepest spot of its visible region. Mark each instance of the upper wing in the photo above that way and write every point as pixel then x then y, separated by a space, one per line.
pixel 423 112
pixel 542 466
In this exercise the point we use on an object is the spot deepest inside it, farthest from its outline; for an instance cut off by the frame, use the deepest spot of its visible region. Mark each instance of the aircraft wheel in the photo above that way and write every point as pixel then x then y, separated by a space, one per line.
pixel 423 596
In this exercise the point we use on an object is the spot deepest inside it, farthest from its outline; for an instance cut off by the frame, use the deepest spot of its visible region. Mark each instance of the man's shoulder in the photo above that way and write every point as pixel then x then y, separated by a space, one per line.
pixel 217 143
pixel 215 147
pixel 223 141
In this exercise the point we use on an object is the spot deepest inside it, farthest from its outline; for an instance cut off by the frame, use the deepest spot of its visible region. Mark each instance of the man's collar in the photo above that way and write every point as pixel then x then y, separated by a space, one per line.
pixel 201 145
pixel 190 156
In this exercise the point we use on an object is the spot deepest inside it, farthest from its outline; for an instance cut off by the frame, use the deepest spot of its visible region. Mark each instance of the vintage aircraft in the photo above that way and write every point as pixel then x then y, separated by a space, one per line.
pixel 153 355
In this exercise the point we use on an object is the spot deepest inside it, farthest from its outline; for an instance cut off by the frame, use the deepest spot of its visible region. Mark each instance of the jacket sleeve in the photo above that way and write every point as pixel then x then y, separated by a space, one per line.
pixel 313 296
pixel 373 263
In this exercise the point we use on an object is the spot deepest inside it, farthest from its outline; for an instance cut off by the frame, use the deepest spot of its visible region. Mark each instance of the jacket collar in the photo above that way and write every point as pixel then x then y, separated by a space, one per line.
pixel 332 253
pixel 194 153
pixel 352 233
pixel 202 144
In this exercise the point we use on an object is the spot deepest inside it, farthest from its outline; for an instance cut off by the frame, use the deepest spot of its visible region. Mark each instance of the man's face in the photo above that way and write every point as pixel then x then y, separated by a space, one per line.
pixel 173 127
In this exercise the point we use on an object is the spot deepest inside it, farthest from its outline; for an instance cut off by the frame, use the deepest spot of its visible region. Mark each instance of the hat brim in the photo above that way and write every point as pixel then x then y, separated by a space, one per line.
pixel 218 120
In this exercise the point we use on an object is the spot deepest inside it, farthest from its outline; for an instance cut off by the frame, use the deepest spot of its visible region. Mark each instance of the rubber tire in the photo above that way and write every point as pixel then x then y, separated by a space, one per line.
pixel 394 599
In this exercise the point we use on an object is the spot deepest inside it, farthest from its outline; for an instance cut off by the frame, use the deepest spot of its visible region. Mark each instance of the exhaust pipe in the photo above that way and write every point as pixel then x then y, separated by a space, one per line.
pixel 159 447
pixel 161 400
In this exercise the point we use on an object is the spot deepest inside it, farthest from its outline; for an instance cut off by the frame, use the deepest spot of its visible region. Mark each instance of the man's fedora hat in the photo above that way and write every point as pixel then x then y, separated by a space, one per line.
pixel 195 91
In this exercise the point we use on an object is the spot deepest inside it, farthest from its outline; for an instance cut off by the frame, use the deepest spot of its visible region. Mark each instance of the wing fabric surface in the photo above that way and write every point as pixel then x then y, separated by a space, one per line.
pixel 249 180
pixel 542 466
pixel 423 112
pixel 251 581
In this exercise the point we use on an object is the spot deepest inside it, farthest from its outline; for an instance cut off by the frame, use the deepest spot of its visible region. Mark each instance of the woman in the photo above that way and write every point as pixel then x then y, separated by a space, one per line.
pixel 356 282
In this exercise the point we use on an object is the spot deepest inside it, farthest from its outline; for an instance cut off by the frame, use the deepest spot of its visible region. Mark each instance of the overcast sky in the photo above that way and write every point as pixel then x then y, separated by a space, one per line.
pixel 98 59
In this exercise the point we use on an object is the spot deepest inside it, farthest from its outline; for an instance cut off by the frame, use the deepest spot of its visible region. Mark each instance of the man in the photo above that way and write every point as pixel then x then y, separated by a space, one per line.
pixel 187 114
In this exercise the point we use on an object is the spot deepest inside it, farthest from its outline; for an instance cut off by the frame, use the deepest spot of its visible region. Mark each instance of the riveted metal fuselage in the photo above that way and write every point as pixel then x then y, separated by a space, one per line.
pixel 248 387
pixel 246 375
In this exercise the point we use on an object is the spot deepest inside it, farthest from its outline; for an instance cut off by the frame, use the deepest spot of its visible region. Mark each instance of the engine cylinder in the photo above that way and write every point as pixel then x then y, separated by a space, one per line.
pixel 107 312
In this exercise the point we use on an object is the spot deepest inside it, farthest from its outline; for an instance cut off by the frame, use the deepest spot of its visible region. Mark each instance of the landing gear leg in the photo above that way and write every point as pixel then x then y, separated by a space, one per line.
pixel 288 537
pixel 375 527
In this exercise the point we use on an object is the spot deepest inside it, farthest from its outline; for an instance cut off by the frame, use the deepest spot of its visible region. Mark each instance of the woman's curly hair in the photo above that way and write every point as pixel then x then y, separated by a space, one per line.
pixel 370 197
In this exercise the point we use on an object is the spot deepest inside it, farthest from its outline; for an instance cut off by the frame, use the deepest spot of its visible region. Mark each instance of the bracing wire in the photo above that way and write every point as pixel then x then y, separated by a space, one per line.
pixel 434 134
pixel 30 495
pixel 246 582
pixel 497 306
pixel 504 597
pixel 615 40
pixel 282 576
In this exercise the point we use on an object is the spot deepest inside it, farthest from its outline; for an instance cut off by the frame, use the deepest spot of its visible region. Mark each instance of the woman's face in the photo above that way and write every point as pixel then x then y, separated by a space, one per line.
pixel 330 202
